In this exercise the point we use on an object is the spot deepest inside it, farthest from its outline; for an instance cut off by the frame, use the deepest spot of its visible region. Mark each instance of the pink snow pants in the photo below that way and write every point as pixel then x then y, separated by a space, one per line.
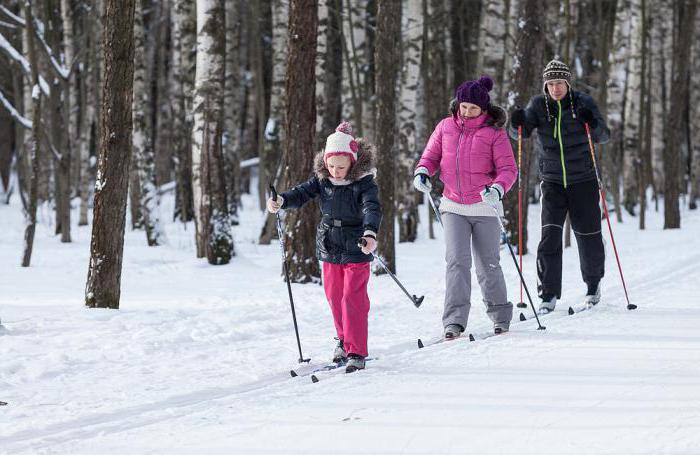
pixel 346 291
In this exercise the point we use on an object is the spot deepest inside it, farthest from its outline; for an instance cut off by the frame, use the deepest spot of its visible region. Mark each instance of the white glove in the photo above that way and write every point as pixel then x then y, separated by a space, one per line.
pixel 492 194
pixel 421 180
pixel 274 206
pixel 369 246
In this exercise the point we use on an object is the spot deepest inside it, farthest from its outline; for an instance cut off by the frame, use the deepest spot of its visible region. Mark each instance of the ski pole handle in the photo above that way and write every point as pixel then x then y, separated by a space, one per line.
pixel 273 191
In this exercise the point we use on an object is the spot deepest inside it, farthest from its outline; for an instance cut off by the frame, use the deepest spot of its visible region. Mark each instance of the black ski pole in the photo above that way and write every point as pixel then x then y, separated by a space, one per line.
pixel 416 300
pixel 515 261
pixel 280 234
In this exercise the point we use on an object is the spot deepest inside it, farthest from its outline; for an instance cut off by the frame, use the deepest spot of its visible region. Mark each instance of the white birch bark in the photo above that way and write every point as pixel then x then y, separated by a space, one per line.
pixel 695 118
pixel 631 131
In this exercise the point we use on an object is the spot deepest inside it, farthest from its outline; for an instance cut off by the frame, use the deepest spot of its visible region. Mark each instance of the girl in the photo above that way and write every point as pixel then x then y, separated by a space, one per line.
pixel 349 203
pixel 473 154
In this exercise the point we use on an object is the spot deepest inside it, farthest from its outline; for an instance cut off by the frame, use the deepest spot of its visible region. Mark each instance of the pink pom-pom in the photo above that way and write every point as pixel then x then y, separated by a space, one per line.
pixel 486 82
pixel 345 127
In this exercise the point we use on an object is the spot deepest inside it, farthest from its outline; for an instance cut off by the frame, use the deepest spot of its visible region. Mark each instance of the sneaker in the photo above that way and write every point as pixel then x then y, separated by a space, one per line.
pixel 355 362
pixel 593 294
pixel 453 331
pixel 501 327
pixel 548 303
pixel 339 355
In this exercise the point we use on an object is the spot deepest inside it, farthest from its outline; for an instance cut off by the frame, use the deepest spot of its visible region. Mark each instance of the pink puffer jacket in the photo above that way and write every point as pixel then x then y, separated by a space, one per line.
pixel 471 153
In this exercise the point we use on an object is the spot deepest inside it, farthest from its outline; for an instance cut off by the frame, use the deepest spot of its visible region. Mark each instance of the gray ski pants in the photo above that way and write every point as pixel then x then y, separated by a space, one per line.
pixel 482 233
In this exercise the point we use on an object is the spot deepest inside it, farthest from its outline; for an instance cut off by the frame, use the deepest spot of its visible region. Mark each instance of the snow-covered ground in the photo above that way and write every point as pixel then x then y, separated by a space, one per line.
pixel 197 358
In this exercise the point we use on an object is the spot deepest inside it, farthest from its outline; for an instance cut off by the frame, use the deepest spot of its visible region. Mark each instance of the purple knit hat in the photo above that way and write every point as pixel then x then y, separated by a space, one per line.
pixel 475 92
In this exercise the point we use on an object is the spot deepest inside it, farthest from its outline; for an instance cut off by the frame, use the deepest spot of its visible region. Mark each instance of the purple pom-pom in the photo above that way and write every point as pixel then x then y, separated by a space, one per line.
pixel 486 82
pixel 344 127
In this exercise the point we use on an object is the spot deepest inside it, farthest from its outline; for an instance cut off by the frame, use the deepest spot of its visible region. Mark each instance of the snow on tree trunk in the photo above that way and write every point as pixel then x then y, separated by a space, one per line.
pixel 143 152
pixel 410 145
pixel 674 121
pixel 300 110
pixel 34 139
pixel 213 226
pixel 388 63
pixel 103 286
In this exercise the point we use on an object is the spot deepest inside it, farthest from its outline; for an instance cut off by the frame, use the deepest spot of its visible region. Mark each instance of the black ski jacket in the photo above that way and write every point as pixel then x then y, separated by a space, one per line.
pixel 565 154
pixel 348 208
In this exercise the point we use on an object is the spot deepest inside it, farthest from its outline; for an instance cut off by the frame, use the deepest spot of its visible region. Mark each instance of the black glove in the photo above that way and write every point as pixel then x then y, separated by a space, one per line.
pixel 517 118
pixel 586 116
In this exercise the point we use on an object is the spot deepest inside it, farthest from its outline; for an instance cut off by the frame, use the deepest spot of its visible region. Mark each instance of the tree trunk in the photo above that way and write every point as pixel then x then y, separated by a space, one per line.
pixel 631 130
pixel 387 70
pixel 233 99
pixel 409 115
pixel 616 101
pixel 300 109
pixel 30 215
pixel 111 188
pixel 492 44
pixel 274 159
pixel 674 123
pixel 88 112
pixel 212 223
pixel 528 61
pixel 695 120
pixel 183 43
pixel 143 152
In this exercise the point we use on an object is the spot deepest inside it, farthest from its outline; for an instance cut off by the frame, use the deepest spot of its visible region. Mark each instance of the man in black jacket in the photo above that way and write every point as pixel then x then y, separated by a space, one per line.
pixel 569 183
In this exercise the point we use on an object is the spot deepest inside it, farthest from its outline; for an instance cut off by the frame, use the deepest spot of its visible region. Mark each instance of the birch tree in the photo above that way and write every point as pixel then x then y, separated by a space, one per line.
pixel 631 130
pixel 143 152
pixel 103 288
pixel 410 115
pixel 212 223
pixel 274 129
pixel 33 143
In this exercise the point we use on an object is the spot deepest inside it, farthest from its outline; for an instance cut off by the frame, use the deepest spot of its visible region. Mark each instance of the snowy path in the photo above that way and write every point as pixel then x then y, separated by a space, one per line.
pixel 197 359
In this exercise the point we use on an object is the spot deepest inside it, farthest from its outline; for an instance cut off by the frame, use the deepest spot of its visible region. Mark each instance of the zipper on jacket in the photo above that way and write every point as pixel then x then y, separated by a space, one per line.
pixel 557 135
pixel 459 141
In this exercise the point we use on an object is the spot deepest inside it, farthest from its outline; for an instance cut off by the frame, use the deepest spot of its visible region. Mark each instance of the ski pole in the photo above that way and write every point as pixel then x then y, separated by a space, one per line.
pixel 515 261
pixel 286 274
pixel 416 300
pixel 630 306
pixel 521 304
pixel 437 212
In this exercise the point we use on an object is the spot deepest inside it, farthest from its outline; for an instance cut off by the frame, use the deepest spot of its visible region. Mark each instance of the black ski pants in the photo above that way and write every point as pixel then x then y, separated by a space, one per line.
pixel 581 202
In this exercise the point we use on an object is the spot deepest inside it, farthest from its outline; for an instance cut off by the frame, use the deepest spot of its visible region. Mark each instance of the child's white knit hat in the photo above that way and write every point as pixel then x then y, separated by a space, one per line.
pixel 341 142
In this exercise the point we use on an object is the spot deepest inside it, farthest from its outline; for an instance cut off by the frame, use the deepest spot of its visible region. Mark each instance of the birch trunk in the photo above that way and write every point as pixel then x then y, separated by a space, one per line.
pixel 212 223
pixel 631 130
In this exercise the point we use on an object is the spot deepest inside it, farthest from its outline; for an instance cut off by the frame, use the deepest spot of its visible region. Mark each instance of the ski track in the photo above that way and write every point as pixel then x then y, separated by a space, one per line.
pixel 394 360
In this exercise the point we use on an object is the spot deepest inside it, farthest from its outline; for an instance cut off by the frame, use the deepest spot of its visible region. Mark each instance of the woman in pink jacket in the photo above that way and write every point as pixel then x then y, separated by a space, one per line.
pixel 475 159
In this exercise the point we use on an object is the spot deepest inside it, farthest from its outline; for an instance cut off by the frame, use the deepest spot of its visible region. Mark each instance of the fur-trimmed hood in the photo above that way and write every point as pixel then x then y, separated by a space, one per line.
pixel 497 115
pixel 364 165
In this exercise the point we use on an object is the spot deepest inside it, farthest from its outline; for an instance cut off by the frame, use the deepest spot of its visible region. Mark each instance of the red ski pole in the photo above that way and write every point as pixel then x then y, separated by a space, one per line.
pixel 521 304
pixel 630 306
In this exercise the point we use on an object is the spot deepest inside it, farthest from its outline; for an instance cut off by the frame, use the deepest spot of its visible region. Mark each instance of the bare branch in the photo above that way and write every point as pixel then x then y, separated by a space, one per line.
pixel 18 21
pixel 14 113
pixel 9 49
